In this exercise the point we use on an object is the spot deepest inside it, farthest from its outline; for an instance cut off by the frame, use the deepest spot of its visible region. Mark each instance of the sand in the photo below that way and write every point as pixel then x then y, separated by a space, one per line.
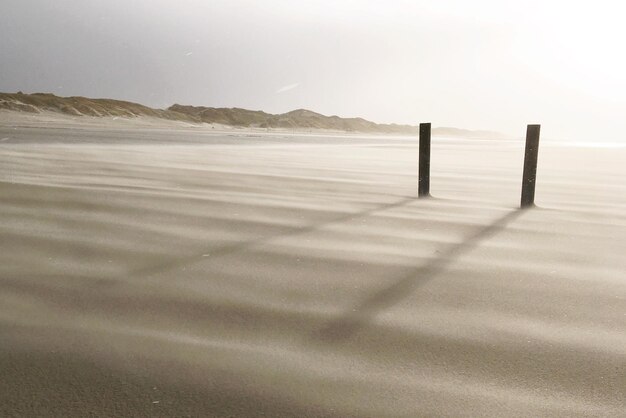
pixel 173 272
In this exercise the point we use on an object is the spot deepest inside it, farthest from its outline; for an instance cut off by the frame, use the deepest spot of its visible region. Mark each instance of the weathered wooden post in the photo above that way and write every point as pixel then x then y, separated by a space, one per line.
pixel 423 182
pixel 530 166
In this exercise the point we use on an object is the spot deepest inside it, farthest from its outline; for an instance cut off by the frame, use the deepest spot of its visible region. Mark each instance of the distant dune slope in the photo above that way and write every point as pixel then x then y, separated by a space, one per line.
pixel 300 119
pixel 82 106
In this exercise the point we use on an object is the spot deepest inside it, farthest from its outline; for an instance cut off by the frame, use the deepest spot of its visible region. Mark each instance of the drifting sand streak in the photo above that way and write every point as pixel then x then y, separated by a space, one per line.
pixel 180 272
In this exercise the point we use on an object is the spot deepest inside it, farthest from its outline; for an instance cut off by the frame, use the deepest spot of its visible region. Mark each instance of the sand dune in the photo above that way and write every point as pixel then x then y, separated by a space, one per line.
pixel 189 273
pixel 84 110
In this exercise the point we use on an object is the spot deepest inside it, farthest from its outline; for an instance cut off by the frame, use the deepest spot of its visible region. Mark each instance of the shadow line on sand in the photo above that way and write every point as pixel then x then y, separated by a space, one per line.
pixel 168 265
pixel 343 327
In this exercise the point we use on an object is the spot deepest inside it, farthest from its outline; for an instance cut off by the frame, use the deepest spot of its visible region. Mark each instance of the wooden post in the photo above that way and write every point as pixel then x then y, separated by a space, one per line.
pixel 423 182
pixel 530 166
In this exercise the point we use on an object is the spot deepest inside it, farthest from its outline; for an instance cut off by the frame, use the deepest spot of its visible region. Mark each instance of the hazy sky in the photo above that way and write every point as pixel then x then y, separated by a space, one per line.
pixel 475 64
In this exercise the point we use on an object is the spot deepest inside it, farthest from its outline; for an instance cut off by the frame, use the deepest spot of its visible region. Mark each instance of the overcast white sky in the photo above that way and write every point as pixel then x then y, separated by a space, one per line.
pixel 475 64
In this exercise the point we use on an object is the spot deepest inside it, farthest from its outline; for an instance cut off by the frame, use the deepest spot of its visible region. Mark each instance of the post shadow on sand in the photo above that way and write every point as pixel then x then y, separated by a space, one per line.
pixel 171 264
pixel 344 327
pixel 356 317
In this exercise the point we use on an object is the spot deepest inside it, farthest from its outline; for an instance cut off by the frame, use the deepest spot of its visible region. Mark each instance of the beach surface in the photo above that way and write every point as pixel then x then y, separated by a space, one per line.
pixel 186 272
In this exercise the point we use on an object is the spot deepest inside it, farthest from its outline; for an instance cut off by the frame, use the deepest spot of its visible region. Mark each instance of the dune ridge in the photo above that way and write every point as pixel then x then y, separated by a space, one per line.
pixel 300 119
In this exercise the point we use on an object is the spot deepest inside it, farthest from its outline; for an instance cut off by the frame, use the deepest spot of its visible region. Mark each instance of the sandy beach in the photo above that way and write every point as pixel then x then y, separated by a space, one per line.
pixel 185 272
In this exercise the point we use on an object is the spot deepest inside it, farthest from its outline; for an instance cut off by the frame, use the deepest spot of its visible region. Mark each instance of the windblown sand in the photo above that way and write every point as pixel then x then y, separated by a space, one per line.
pixel 185 273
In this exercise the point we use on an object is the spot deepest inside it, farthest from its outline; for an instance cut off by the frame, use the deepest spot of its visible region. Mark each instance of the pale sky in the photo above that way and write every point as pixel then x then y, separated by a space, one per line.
pixel 472 64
